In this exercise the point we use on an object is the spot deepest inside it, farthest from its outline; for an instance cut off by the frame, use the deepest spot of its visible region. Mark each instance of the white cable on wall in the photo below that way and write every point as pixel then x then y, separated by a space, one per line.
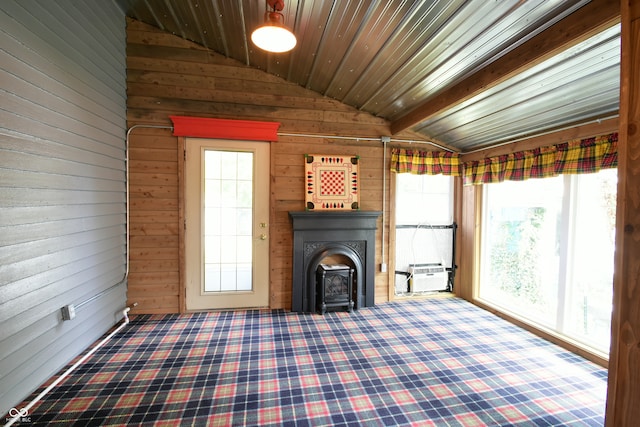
pixel 385 140
pixel 24 412
pixel 357 138
pixel 126 159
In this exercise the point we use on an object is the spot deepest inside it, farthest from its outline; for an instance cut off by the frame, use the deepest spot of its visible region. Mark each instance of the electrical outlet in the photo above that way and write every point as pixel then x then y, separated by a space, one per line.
pixel 68 312
pixel 383 268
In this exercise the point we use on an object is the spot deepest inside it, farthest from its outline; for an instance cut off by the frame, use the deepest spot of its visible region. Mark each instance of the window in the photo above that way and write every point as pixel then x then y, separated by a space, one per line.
pixel 547 252
pixel 424 218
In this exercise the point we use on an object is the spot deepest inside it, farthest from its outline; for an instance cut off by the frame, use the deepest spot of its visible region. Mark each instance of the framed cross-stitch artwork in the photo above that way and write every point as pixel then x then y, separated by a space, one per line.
pixel 331 182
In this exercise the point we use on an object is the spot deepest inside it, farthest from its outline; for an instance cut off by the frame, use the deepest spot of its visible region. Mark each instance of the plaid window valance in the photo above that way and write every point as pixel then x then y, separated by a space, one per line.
pixel 573 157
pixel 425 162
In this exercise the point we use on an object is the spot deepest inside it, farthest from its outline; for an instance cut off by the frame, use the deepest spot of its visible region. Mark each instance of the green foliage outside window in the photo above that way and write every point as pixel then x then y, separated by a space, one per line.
pixel 515 257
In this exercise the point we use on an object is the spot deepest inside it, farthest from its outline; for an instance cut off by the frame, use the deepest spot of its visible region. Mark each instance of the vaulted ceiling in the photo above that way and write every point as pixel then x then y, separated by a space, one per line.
pixel 468 74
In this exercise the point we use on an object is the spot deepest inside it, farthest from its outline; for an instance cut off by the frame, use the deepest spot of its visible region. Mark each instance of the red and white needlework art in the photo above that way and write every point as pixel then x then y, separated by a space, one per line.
pixel 331 182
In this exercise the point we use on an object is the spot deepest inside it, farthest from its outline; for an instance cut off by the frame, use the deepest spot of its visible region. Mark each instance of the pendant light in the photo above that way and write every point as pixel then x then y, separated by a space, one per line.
pixel 273 36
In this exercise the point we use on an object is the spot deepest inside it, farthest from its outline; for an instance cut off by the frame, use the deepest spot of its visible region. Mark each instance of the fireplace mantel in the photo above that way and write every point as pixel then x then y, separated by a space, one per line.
pixel 318 234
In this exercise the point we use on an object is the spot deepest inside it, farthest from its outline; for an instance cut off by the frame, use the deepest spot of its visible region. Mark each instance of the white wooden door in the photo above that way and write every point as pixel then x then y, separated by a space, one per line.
pixel 227 229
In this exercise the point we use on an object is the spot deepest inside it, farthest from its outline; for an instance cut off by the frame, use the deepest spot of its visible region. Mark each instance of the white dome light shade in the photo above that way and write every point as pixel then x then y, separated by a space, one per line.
pixel 273 36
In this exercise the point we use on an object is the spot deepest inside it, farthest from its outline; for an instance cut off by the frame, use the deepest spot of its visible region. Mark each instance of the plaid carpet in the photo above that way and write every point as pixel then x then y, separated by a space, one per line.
pixel 440 362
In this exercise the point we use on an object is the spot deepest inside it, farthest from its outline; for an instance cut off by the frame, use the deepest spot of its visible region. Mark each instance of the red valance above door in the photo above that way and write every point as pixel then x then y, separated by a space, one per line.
pixel 246 130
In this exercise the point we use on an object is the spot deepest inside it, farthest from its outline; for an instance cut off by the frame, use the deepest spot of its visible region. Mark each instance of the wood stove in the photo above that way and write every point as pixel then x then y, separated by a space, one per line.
pixel 334 287
pixel 321 234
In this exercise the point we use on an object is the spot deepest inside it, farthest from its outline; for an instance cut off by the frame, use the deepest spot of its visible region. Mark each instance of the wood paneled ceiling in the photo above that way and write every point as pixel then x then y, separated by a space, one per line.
pixel 467 74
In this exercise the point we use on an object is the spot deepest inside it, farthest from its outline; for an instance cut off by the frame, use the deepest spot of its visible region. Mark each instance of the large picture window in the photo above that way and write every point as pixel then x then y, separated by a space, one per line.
pixel 547 252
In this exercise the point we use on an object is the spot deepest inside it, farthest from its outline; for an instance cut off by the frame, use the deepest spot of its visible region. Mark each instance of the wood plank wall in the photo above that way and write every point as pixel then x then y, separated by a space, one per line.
pixel 153 220
pixel 170 76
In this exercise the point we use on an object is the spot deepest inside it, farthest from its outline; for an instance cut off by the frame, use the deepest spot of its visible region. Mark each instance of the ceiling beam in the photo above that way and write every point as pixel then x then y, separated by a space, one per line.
pixel 585 22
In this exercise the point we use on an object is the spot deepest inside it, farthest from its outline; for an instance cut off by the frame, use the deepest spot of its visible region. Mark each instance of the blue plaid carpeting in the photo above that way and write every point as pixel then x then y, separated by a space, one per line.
pixel 440 362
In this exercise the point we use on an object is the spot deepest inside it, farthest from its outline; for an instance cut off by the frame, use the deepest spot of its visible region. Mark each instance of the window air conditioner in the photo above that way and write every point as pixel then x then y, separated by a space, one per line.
pixel 428 277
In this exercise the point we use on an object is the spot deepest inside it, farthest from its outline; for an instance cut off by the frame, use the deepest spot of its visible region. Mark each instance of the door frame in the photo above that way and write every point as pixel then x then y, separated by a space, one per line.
pixel 198 127
pixel 197 299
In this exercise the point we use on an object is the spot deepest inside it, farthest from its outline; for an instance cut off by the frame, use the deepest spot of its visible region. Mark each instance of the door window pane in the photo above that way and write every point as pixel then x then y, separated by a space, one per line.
pixel 228 221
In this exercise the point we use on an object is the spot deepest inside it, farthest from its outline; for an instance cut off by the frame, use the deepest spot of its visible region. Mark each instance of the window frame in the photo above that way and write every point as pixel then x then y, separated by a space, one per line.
pixel 393 193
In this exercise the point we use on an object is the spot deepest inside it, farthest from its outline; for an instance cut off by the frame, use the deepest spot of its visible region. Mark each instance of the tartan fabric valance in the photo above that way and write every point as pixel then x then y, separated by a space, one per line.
pixel 425 162
pixel 573 157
